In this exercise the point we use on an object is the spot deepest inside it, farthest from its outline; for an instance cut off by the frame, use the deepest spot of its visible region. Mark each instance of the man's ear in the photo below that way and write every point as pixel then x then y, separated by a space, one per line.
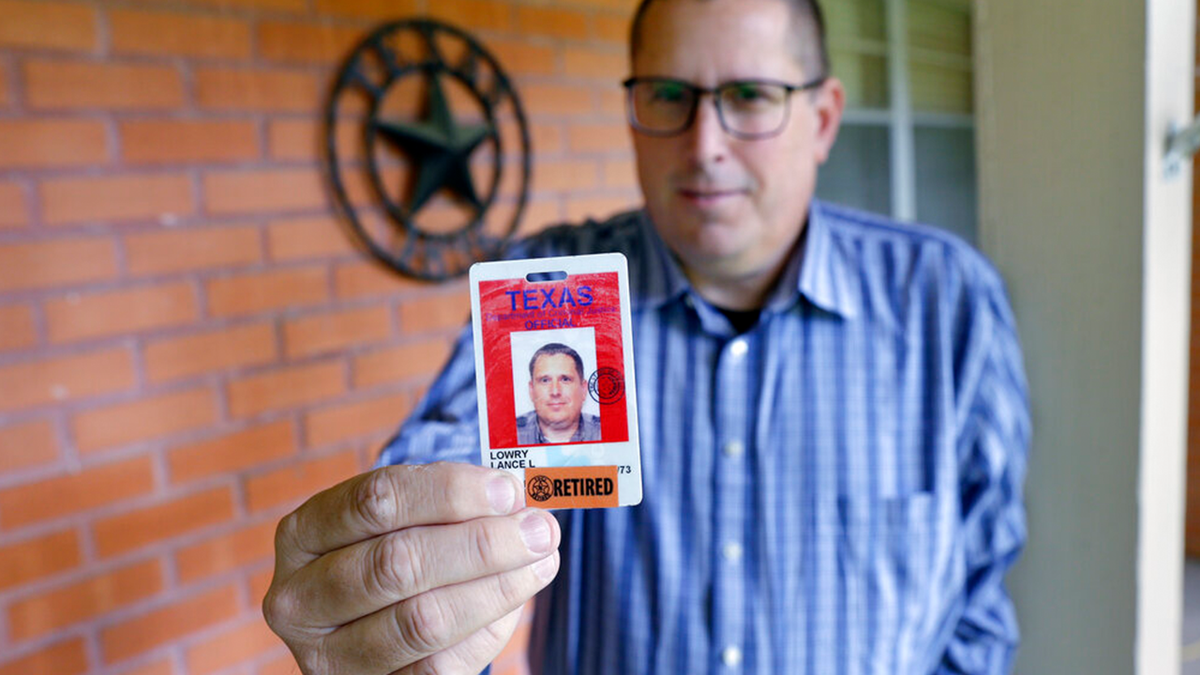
pixel 830 103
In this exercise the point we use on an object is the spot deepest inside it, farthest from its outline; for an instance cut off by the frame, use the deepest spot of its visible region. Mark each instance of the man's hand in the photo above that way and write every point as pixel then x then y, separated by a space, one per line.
pixel 409 569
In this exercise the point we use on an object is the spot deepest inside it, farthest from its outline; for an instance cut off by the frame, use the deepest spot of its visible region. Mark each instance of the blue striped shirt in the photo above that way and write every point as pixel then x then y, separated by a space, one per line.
pixel 837 490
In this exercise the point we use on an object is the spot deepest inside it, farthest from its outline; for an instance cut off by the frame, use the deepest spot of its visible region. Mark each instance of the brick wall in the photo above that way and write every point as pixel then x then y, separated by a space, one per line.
pixel 189 343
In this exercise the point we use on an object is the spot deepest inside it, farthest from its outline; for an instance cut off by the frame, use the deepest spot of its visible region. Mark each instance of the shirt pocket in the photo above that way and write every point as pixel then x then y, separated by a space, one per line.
pixel 885 560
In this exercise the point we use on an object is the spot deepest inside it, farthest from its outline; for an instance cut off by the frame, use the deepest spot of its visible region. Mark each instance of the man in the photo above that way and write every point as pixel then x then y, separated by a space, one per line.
pixel 556 388
pixel 832 411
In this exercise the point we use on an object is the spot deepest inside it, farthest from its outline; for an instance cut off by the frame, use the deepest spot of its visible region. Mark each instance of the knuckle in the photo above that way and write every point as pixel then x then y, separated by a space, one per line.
pixel 279 609
pixel 422 624
pixel 374 500
pixel 396 567
pixel 485 544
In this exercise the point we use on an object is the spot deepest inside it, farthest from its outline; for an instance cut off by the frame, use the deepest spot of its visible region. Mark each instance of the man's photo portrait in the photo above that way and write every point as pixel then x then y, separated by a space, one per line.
pixel 550 370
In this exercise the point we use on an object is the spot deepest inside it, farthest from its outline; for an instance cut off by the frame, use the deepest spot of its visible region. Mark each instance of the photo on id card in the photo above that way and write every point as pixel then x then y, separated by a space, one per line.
pixel 554 376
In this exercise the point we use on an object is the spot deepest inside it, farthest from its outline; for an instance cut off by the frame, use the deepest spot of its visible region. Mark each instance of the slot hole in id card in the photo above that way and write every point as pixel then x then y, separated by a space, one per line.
pixel 542 277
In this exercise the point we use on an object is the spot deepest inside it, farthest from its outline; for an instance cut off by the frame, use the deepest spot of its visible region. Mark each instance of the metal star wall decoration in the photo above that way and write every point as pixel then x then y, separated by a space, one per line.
pixel 440 150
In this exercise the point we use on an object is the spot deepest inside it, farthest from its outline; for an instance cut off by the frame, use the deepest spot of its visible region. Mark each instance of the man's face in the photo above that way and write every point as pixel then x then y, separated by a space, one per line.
pixel 556 389
pixel 731 209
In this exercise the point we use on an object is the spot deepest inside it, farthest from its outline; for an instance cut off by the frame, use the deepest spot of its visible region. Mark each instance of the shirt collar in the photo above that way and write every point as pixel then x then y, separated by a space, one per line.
pixel 818 270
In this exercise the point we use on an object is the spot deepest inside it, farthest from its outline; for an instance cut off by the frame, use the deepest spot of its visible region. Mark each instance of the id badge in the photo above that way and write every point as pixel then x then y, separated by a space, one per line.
pixel 554 376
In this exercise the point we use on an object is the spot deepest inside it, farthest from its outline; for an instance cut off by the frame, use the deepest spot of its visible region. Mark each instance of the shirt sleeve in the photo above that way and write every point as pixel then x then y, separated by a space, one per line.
pixel 444 427
pixel 993 448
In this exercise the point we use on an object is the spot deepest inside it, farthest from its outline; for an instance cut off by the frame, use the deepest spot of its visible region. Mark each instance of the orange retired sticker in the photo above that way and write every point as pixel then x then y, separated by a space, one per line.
pixel 572 487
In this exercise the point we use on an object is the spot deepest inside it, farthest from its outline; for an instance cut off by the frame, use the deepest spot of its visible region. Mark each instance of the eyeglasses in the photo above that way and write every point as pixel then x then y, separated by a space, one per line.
pixel 747 109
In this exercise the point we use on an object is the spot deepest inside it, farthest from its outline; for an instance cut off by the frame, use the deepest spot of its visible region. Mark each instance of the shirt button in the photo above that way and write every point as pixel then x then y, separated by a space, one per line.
pixel 734 449
pixel 732 551
pixel 731 656
pixel 738 348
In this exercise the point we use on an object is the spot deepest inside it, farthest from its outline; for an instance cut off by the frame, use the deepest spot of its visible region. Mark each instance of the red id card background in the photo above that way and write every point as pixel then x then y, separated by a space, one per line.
pixel 517 305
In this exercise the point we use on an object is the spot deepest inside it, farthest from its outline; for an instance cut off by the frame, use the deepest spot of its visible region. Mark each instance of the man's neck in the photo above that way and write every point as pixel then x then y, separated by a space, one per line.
pixel 740 292
pixel 559 434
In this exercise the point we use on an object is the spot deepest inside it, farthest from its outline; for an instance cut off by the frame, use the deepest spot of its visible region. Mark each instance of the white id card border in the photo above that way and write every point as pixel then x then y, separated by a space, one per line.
pixel 571 440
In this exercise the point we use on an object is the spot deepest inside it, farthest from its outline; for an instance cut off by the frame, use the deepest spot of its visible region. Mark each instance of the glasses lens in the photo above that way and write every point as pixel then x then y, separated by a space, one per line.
pixel 753 108
pixel 661 106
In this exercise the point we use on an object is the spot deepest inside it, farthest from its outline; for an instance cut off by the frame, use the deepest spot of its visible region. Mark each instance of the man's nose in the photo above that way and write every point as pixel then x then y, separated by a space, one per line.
pixel 707 138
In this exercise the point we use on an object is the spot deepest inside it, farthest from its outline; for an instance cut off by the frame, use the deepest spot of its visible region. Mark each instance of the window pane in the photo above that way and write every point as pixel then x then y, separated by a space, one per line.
pixel 946 191
pixel 857 171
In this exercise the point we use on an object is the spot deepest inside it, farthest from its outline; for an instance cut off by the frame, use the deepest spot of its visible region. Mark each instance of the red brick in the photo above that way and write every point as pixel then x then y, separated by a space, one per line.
pixel 625 6
pixel 521 58
pixel 260 292
pixel 284 664
pixel 476 14
pixel 14 212
pixel 620 173
pixel 39 558
pixel 264 190
pixel 315 237
pixel 227 89
pixel 63 84
pixel 223 349
pixel 355 420
pixel 165 141
pixel 73 493
pixel 17 330
pixel 143 420
pixel 129 531
pixel 418 359
pixel 554 99
pixel 90 199
pixel 603 65
pixel 41 614
pixel 52 143
pixel 160 667
pixel 369 9
pixel 65 378
pixel 227 552
pixel 552 22
pixel 299 482
pixel 169 624
pixel 249 5
pixel 231 453
pixel 611 102
pixel 228 648
pixel 570 174
pixel 368 279
pixel 192 249
pixel 27 445
pixel 259 582
pixel 5 97
pixel 285 388
pixel 605 138
pixel 68 657
pixel 439 312
pixel 333 331
pixel 173 34
pixel 48 25
pixel 611 28
pixel 80 317
pixel 56 263
pixel 291 42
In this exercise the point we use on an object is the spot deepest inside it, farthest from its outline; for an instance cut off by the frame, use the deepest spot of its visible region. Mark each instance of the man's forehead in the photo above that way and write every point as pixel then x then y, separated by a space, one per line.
pixel 551 361
pixel 675 37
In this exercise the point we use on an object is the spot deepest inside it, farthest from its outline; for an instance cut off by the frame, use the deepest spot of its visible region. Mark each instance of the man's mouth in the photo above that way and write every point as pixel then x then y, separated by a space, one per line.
pixel 707 196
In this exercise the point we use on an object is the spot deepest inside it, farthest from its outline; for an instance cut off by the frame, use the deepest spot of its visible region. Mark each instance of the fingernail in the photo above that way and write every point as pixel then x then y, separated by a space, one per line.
pixel 547 567
pixel 535 531
pixel 502 493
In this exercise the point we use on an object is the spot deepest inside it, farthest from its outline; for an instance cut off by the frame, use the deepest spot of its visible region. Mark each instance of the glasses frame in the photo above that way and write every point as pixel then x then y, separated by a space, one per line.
pixel 698 92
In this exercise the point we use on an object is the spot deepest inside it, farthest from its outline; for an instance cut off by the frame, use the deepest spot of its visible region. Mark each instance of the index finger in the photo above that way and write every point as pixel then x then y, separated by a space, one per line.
pixel 388 499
